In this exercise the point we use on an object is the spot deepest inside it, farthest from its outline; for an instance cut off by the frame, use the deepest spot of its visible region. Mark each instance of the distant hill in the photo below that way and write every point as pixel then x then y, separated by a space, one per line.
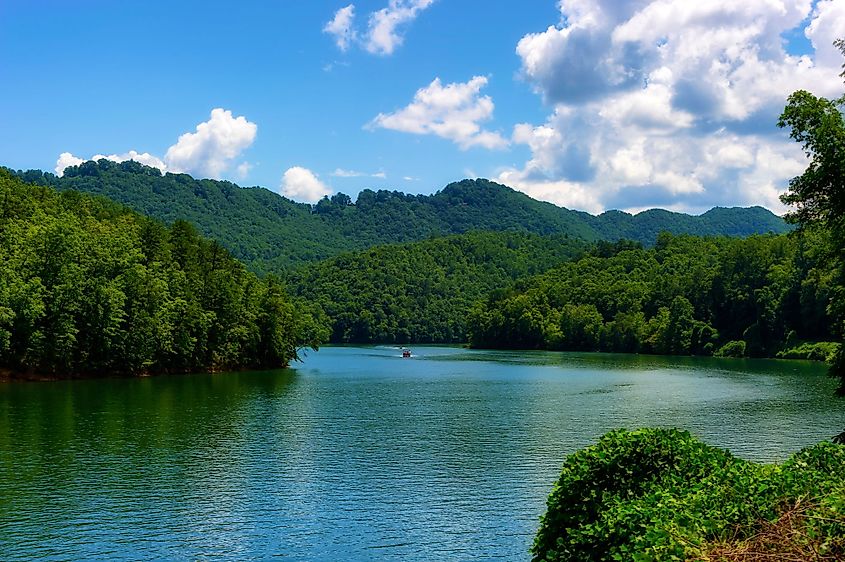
pixel 719 221
pixel 272 233
pixel 423 291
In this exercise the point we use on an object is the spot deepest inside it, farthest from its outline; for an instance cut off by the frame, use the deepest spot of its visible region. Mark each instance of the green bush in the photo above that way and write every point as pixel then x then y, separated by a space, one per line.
pixel 817 351
pixel 731 349
pixel 660 494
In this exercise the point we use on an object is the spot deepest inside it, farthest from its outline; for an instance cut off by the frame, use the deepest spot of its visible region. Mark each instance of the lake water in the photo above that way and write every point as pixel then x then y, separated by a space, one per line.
pixel 358 454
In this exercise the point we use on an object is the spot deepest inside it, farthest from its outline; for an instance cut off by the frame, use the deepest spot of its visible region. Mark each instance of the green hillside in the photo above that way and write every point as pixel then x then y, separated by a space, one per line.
pixel 760 296
pixel 422 291
pixel 89 287
pixel 272 234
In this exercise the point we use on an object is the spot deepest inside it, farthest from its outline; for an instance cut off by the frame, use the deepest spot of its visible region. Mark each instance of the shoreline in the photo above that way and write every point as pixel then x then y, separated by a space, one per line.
pixel 11 376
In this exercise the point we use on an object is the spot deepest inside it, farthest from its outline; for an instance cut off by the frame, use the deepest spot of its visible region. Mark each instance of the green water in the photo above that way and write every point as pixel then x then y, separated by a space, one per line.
pixel 358 454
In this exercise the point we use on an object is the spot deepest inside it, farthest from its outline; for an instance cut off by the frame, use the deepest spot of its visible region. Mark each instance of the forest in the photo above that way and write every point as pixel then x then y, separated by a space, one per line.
pixel 88 287
pixel 763 296
pixel 422 291
pixel 272 234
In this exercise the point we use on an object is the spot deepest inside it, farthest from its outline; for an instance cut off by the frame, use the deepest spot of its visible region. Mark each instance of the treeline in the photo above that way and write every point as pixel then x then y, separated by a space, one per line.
pixel 273 234
pixel 88 287
pixel 423 291
pixel 755 297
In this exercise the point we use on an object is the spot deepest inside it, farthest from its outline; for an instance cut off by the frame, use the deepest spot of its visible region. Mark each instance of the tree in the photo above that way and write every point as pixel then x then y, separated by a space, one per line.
pixel 819 193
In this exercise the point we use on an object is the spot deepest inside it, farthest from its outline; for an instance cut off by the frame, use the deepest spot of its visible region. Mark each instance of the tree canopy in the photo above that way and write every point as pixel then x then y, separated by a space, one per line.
pixel 89 287
pixel 422 291
pixel 819 193
pixel 758 297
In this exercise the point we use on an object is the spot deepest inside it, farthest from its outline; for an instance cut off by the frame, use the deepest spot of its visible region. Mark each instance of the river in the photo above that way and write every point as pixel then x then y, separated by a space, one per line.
pixel 357 453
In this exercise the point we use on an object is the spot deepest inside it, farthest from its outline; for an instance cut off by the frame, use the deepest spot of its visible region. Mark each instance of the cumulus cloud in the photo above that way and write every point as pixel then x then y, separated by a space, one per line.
pixel 341 27
pixel 65 160
pixel 207 152
pixel 454 112
pixel 670 102
pixel 211 149
pixel 302 184
pixel 385 27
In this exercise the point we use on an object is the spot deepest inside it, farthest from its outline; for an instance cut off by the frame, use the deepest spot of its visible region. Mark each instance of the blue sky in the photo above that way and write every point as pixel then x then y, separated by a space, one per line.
pixel 591 105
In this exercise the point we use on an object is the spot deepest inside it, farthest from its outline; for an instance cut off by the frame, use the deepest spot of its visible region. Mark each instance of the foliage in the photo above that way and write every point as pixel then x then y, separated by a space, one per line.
pixel 819 193
pixel 273 234
pixel 815 351
pixel 89 287
pixel 422 291
pixel 817 124
pixel 660 494
pixel 735 348
pixel 687 295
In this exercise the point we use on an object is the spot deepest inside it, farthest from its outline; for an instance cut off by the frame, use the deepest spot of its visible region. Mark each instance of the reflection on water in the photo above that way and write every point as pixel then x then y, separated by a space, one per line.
pixel 359 454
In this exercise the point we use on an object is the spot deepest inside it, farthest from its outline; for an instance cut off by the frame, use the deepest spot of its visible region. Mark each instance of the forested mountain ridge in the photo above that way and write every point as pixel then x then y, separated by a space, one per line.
pixel 422 291
pixel 273 234
pixel 644 227
pixel 90 287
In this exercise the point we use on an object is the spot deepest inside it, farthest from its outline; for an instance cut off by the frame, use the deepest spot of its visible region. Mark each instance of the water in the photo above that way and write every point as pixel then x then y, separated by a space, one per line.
pixel 358 454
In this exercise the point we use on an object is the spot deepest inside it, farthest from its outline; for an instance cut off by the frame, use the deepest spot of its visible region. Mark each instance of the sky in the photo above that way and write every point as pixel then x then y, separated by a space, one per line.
pixel 588 104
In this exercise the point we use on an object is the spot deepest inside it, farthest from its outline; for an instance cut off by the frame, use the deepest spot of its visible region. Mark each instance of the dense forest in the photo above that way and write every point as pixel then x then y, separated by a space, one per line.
pixel 422 291
pixel 89 287
pixel 760 296
pixel 685 295
pixel 273 234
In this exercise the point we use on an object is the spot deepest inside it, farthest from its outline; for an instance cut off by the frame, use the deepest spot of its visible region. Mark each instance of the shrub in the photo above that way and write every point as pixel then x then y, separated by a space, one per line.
pixel 817 351
pixel 660 494
pixel 731 349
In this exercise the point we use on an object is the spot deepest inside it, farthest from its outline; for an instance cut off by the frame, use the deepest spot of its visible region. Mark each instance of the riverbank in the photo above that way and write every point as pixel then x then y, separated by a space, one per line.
pixel 8 375
pixel 661 494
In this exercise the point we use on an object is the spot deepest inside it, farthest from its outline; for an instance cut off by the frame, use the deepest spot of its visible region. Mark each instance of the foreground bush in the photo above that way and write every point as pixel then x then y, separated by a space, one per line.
pixel 658 494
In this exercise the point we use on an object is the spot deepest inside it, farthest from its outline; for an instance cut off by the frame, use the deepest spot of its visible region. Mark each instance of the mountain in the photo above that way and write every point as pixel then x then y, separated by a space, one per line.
pixel 719 221
pixel 273 234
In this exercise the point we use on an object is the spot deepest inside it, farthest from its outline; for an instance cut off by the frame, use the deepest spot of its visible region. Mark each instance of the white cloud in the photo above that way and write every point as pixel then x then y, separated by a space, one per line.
pixel 454 111
pixel 341 173
pixel 211 149
pixel 383 33
pixel 828 24
pixel 65 160
pixel 208 152
pixel 302 184
pixel 243 169
pixel 670 103
pixel 341 27
pixel 385 27
pixel 560 192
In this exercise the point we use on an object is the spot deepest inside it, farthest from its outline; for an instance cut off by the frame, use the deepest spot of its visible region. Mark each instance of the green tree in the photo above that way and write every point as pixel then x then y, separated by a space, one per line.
pixel 819 193
pixel 88 287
